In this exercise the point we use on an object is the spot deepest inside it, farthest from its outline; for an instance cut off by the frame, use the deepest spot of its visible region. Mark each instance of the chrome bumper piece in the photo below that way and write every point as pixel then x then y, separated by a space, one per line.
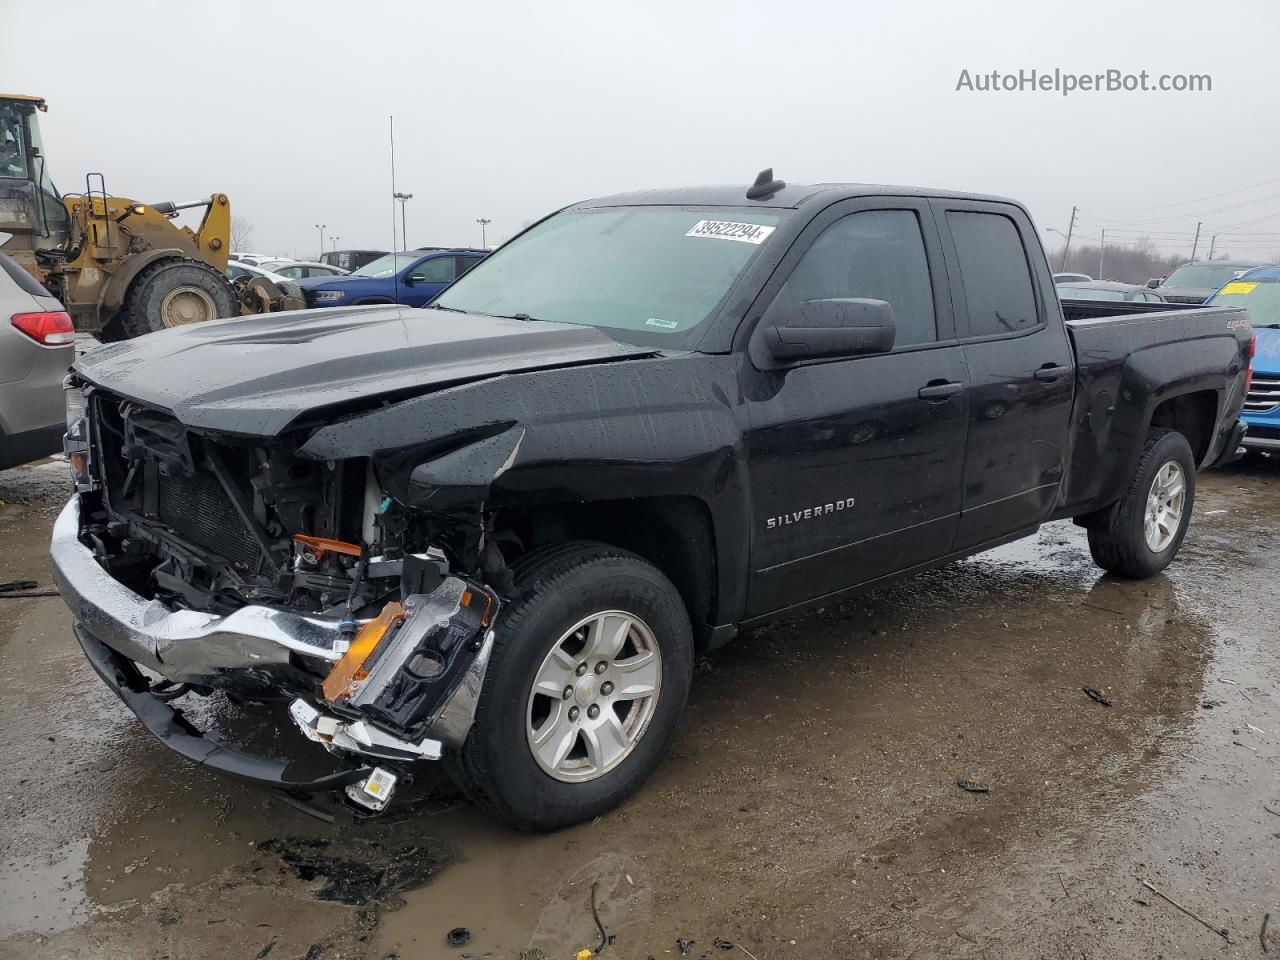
pixel 180 645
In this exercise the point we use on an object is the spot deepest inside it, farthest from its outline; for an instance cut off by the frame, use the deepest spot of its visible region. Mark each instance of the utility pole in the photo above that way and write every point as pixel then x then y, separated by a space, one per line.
pixel 483 223
pixel 320 227
pixel 404 198
pixel 1196 242
pixel 1070 227
pixel 1213 242
pixel 1102 253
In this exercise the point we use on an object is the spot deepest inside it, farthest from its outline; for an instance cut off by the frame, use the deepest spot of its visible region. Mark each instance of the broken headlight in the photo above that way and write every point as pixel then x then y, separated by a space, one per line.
pixel 75 444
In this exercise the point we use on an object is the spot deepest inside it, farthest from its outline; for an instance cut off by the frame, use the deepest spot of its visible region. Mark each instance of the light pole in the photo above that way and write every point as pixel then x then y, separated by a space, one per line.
pixel 484 222
pixel 334 241
pixel 404 198
pixel 320 227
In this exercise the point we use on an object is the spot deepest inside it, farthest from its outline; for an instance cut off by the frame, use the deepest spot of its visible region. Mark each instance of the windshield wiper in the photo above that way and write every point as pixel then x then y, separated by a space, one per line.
pixel 518 316
pixel 440 306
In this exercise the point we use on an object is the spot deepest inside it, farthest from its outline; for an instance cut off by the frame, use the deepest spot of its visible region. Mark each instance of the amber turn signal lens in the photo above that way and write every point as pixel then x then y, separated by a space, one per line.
pixel 351 667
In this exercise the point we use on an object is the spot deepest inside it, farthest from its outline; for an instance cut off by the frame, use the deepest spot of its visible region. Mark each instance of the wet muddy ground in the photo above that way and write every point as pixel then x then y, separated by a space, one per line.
pixel 809 808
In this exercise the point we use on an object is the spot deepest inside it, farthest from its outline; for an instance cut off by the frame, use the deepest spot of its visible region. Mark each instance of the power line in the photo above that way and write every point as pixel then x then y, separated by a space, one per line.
pixel 1108 221
pixel 1179 203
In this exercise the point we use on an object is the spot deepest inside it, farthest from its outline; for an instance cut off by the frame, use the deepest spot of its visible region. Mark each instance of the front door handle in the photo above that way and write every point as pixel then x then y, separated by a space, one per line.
pixel 938 391
pixel 1051 372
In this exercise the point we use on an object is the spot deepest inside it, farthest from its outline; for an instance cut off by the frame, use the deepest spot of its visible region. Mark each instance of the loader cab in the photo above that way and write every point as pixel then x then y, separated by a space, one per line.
pixel 29 204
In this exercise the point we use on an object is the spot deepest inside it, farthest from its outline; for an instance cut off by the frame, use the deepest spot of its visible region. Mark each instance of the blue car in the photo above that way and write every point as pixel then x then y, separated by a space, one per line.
pixel 411 277
pixel 1259 290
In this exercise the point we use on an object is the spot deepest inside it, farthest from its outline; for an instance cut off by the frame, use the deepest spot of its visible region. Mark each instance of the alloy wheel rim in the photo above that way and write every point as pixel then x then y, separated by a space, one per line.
pixel 594 695
pixel 184 305
pixel 1165 503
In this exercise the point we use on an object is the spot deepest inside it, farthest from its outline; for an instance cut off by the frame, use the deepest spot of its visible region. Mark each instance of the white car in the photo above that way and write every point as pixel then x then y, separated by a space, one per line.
pixel 299 269
pixel 239 268
pixel 252 259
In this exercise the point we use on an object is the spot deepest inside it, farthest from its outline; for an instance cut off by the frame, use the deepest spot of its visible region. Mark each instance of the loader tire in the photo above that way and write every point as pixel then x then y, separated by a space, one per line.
pixel 1145 529
pixel 172 293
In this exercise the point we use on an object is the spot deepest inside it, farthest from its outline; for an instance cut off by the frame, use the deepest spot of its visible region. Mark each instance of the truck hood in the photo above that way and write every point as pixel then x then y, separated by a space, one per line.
pixel 257 375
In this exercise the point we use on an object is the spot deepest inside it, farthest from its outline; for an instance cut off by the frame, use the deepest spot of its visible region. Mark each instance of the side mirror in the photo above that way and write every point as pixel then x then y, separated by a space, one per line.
pixel 411 279
pixel 1154 282
pixel 844 327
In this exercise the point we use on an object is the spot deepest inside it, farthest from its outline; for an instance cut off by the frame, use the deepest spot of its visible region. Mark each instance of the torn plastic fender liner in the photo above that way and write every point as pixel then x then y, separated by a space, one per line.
pixel 419 659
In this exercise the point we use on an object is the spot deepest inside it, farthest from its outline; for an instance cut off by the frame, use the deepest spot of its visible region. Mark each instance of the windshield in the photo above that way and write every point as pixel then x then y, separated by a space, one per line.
pixel 652 270
pixel 386 266
pixel 1089 293
pixel 1202 275
pixel 14 140
pixel 1262 297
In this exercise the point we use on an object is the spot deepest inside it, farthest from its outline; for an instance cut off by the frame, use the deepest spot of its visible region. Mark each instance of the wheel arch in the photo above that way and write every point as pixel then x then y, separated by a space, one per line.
pixel 674 533
pixel 1193 415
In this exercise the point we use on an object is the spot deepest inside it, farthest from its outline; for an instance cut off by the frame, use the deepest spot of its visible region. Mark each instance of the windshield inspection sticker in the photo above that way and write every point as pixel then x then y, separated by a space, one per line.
pixel 664 324
pixel 1238 288
pixel 728 230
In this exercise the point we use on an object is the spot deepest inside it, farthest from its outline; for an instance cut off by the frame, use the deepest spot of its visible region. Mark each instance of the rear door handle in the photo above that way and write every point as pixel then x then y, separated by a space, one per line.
pixel 939 390
pixel 1051 372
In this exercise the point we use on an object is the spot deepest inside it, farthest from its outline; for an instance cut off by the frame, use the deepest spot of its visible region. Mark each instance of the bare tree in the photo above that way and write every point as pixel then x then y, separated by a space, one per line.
pixel 1134 262
pixel 241 233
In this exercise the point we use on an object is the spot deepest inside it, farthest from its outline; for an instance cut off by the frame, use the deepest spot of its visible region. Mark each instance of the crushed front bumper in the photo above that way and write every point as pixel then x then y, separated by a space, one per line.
pixel 184 646
pixel 119 630
pixel 173 729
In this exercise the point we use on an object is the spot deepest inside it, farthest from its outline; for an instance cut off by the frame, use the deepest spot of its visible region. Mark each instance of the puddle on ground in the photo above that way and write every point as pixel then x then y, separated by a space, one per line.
pixel 45 894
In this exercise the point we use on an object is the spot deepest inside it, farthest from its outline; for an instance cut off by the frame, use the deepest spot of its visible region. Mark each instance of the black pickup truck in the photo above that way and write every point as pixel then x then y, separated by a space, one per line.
pixel 496 531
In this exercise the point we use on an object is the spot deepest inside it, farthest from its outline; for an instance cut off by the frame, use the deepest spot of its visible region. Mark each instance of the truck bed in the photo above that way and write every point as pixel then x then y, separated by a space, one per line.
pixel 1128 366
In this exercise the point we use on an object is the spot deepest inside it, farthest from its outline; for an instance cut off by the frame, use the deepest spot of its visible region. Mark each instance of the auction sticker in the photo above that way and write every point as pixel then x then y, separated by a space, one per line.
pixel 729 230
pixel 1238 288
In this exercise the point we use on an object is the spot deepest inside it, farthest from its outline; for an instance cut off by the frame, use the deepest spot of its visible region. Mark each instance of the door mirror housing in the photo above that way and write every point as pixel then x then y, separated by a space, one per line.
pixel 1155 282
pixel 824 329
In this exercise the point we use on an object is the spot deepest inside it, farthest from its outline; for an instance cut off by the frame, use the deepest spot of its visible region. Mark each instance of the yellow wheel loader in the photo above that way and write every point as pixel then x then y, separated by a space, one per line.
pixel 120 267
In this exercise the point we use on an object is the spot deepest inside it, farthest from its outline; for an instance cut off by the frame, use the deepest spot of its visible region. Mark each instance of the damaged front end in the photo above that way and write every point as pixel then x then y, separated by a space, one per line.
pixel 220 562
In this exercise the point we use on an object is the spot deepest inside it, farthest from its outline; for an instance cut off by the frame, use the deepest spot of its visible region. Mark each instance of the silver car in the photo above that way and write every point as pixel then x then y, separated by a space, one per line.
pixel 37 346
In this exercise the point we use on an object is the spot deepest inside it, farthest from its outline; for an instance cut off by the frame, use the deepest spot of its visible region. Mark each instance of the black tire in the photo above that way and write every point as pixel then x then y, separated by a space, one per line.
pixel 142 313
pixel 1121 546
pixel 555 589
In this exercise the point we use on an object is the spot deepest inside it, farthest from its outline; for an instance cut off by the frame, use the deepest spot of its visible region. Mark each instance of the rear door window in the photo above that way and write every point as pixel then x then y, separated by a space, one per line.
pixel 994 273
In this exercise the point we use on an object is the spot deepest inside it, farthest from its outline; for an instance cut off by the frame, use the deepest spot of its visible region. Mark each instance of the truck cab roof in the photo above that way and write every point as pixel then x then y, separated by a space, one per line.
pixel 791 196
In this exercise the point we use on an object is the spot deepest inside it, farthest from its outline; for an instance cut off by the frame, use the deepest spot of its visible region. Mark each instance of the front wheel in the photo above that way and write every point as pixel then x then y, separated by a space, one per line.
pixel 591 666
pixel 1146 527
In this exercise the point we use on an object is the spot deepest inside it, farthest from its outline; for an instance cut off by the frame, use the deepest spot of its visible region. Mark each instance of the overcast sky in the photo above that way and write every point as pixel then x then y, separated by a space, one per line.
pixel 508 110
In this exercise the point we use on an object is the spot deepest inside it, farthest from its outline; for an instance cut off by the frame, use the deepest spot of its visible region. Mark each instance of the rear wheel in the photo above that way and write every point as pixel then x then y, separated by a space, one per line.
pixel 1146 527
pixel 172 293
pixel 590 670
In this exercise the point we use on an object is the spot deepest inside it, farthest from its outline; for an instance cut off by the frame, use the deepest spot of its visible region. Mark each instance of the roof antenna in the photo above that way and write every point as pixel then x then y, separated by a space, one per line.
pixel 765 186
